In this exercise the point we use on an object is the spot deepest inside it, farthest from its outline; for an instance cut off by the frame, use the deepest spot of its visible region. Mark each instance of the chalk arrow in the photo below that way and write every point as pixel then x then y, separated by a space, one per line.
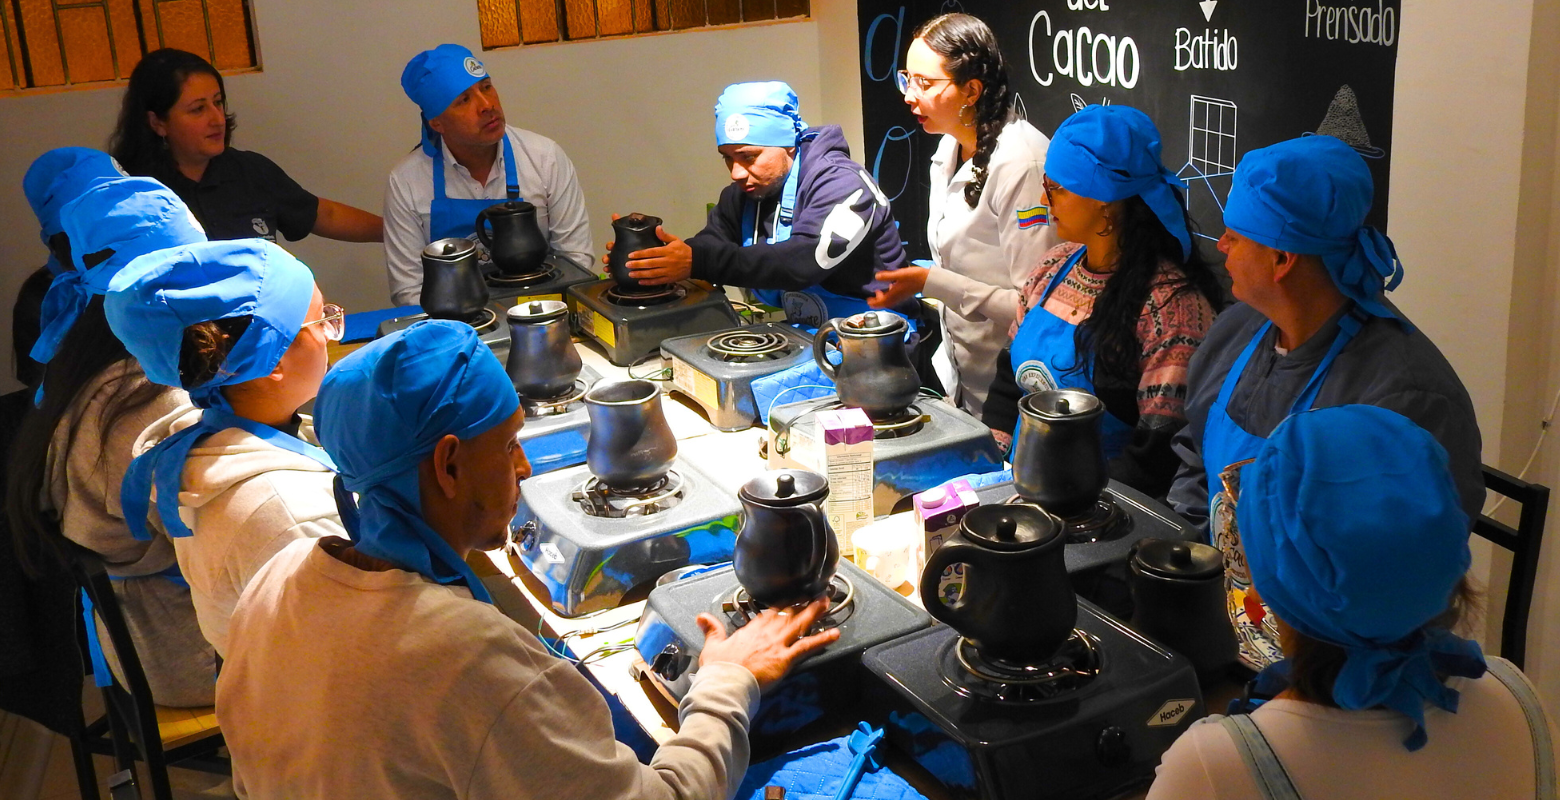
pixel 1207 7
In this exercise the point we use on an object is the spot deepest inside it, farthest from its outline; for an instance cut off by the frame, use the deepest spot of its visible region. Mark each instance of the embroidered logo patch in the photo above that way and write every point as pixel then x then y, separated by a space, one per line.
pixel 1031 217
pixel 1034 376
pixel 474 68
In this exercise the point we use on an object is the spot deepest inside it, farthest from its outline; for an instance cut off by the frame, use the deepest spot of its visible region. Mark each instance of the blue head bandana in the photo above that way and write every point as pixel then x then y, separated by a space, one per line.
pixel 1355 536
pixel 128 217
pixel 1310 195
pixel 766 114
pixel 382 410
pixel 150 303
pixel 434 78
pixel 1111 153
pixel 60 176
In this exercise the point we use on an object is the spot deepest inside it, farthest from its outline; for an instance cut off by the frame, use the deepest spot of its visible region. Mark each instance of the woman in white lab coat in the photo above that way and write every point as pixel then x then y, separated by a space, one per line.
pixel 988 224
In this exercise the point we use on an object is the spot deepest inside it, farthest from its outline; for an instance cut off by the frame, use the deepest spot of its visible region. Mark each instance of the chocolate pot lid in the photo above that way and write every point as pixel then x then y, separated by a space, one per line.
pixel 786 487
pixel 637 222
pixel 1061 404
pixel 1010 526
pixel 1169 558
pixel 538 311
pixel 511 207
pixel 873 322
pixel 449 249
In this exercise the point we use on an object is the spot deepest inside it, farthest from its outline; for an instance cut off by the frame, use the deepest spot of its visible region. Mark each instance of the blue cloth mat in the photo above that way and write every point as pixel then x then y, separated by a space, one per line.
pixel 814 773
pixel 364 325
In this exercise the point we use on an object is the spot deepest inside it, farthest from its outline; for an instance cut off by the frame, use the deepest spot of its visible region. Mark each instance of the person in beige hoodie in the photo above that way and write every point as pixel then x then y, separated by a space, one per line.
pixel 73 449
pixel 242 326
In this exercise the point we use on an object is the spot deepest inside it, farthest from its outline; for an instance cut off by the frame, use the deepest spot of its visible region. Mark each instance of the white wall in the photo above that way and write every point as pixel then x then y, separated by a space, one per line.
pixel 635 115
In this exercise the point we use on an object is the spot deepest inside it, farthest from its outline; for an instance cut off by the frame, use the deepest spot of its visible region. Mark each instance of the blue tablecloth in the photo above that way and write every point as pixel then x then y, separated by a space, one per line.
pixel 814 773
pixel 364 325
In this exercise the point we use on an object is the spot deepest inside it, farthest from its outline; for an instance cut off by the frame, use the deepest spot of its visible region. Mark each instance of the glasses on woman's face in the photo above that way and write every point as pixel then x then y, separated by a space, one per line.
pixel 906 82
pixel 1051 187
pixel 333 322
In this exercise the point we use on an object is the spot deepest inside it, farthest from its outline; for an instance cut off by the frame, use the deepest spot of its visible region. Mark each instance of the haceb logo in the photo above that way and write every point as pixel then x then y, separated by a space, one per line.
pixel 1171 713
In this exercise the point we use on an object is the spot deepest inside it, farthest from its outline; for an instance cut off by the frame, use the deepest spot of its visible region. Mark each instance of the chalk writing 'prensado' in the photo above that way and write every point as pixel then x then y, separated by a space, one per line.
pixel 1352 24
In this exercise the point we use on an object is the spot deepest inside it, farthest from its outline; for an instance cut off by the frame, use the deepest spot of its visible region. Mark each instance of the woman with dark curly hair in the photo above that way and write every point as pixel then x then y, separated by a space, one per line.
pixel 174 125
pixel 1119 307
pixel 987 223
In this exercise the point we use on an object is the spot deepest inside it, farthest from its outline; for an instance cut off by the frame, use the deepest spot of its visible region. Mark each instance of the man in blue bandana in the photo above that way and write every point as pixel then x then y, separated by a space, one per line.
pixel 1357 541
pixel 388 645
pixel 801 223
pixel 1313 329
pixel 470 159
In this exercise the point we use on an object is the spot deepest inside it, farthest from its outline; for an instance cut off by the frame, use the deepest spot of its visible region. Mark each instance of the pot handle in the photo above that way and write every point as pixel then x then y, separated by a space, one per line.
pixel 482 234
pixel 820 349
pixel 951 552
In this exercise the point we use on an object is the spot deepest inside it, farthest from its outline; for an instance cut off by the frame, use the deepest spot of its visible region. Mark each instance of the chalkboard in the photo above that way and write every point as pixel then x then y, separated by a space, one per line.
pixel 1219 78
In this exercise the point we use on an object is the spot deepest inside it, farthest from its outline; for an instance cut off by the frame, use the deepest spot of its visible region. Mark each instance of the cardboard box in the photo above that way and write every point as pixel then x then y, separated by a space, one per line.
pixel 844 455
pixel 938 512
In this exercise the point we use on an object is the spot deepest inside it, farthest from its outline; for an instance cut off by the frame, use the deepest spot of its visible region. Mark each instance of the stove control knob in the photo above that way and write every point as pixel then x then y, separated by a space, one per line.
pixel 670 662
pixel 1112 747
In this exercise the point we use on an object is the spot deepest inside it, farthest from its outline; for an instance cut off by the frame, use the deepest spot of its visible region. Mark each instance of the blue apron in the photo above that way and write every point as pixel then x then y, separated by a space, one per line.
pixel 815 305
pixel 1225 444
pixel 1044 350
pixel 457 219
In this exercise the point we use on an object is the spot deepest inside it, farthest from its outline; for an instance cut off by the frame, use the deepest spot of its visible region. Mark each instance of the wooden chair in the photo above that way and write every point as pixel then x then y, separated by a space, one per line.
pixel 1524 542
pixel 134 728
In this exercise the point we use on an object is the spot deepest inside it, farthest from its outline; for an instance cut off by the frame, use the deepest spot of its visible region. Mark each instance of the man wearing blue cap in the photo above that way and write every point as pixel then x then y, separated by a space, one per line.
pixel 1313 329
pixel 470 159
pixel 1355 538
pixel 411 683
pixel 800 222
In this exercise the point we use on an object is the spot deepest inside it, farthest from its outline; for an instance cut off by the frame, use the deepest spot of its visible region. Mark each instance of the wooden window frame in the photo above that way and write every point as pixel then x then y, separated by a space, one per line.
pixel 523 23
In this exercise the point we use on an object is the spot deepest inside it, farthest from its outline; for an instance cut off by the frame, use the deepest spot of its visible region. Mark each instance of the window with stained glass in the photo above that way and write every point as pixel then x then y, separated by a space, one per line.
pixel 508 23
pixel 46 43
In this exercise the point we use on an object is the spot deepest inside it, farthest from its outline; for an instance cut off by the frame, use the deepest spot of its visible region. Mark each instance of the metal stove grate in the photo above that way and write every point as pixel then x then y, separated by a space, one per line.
pixel 657 295
pixel 1106 521
pixel 552 406
pixel 973 675
pixel 503 281
pixel 741 608
pixel 598 499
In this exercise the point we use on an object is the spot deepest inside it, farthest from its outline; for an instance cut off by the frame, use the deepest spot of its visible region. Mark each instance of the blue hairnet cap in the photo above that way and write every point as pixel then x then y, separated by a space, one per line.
pixel 383 409
pixel 1111 153
pixel 153 299
pixel 765 113
pixel 1310 195
pixel 434 78
pixel 60 176
pixel 128 217
pixel 1355 535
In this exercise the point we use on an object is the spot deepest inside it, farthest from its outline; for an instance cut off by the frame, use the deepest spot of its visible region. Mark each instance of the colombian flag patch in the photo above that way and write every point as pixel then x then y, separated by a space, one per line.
pixel 1030 217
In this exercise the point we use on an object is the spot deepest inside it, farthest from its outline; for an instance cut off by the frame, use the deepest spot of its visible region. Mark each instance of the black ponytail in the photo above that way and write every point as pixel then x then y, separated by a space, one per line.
pixel 969 52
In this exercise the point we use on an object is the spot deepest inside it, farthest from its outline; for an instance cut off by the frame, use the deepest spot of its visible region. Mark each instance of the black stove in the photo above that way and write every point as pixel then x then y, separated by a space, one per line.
pixel 716 370
pixel 826 685
pixel 630 326
pixel 548 282
pixel 1091 722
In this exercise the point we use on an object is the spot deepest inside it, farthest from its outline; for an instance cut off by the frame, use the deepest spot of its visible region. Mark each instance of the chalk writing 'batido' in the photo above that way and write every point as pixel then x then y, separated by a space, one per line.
pixel 1353 24
pixel 1085 56
pixel 1212 50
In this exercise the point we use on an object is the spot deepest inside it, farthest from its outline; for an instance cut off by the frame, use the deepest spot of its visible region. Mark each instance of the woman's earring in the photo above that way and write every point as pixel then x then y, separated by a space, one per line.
pixel 968 123
pixel 1110 227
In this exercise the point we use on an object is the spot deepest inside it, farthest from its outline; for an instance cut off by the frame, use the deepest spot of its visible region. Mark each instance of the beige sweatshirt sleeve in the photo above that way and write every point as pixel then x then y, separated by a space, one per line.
pixel 554 740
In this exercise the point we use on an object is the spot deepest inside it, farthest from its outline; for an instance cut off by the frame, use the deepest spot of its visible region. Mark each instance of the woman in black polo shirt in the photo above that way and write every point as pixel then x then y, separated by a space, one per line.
pixel 174 126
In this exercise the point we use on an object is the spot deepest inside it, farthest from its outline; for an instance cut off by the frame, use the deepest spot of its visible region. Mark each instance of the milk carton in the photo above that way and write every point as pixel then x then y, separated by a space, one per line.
pixel 844 454
pixel 938 512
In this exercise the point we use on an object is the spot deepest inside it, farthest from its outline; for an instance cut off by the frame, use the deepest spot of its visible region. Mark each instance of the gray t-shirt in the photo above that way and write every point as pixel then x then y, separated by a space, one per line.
pixel 1388 364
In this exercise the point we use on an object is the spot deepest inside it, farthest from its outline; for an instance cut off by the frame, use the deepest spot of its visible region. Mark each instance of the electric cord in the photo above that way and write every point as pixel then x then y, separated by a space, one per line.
pixel 1543 429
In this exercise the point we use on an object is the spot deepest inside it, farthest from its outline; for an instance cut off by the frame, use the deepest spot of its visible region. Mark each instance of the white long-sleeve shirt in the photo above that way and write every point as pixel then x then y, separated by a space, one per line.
pixel 981 254
pixel 342 682
pixel 547 181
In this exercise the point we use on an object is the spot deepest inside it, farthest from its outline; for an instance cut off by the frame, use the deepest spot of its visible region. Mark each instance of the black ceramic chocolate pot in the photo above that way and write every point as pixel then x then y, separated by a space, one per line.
pixel 875 373
pixel 1017 604
pixel 516 243
pixel 542 360
pixel 452 285
pixel 632 233
pixel 1059 457
pixel 786 552
pixel 1178 598
pixel 630 446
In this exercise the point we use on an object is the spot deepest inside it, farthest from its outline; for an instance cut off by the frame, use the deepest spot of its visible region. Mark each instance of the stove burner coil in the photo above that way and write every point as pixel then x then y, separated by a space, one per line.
pixel 658 295
pixel 597 499
pixel 741 608
pixel 742 345
pixel 1074 665
pixel 483 322
pixel 552 406
pixel 1106 521
pixel 501 280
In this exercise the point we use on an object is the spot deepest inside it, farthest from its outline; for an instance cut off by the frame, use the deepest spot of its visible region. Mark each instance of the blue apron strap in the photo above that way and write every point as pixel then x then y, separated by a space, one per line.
pixel 1239 368
pixel 1266 770
pixel 1061 274
pixel 511 181
pixel 438 170
pixel 100 674
pixel 1348 326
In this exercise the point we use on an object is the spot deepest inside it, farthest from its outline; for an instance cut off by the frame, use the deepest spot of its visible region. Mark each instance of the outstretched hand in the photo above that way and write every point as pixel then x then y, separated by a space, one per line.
pixel 903 284
pixel 669 263
pixel 769 644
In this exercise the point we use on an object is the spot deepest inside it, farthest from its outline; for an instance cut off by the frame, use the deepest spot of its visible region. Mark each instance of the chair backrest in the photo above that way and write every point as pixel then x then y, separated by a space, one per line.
pixel 133 698
pixel 1524 542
